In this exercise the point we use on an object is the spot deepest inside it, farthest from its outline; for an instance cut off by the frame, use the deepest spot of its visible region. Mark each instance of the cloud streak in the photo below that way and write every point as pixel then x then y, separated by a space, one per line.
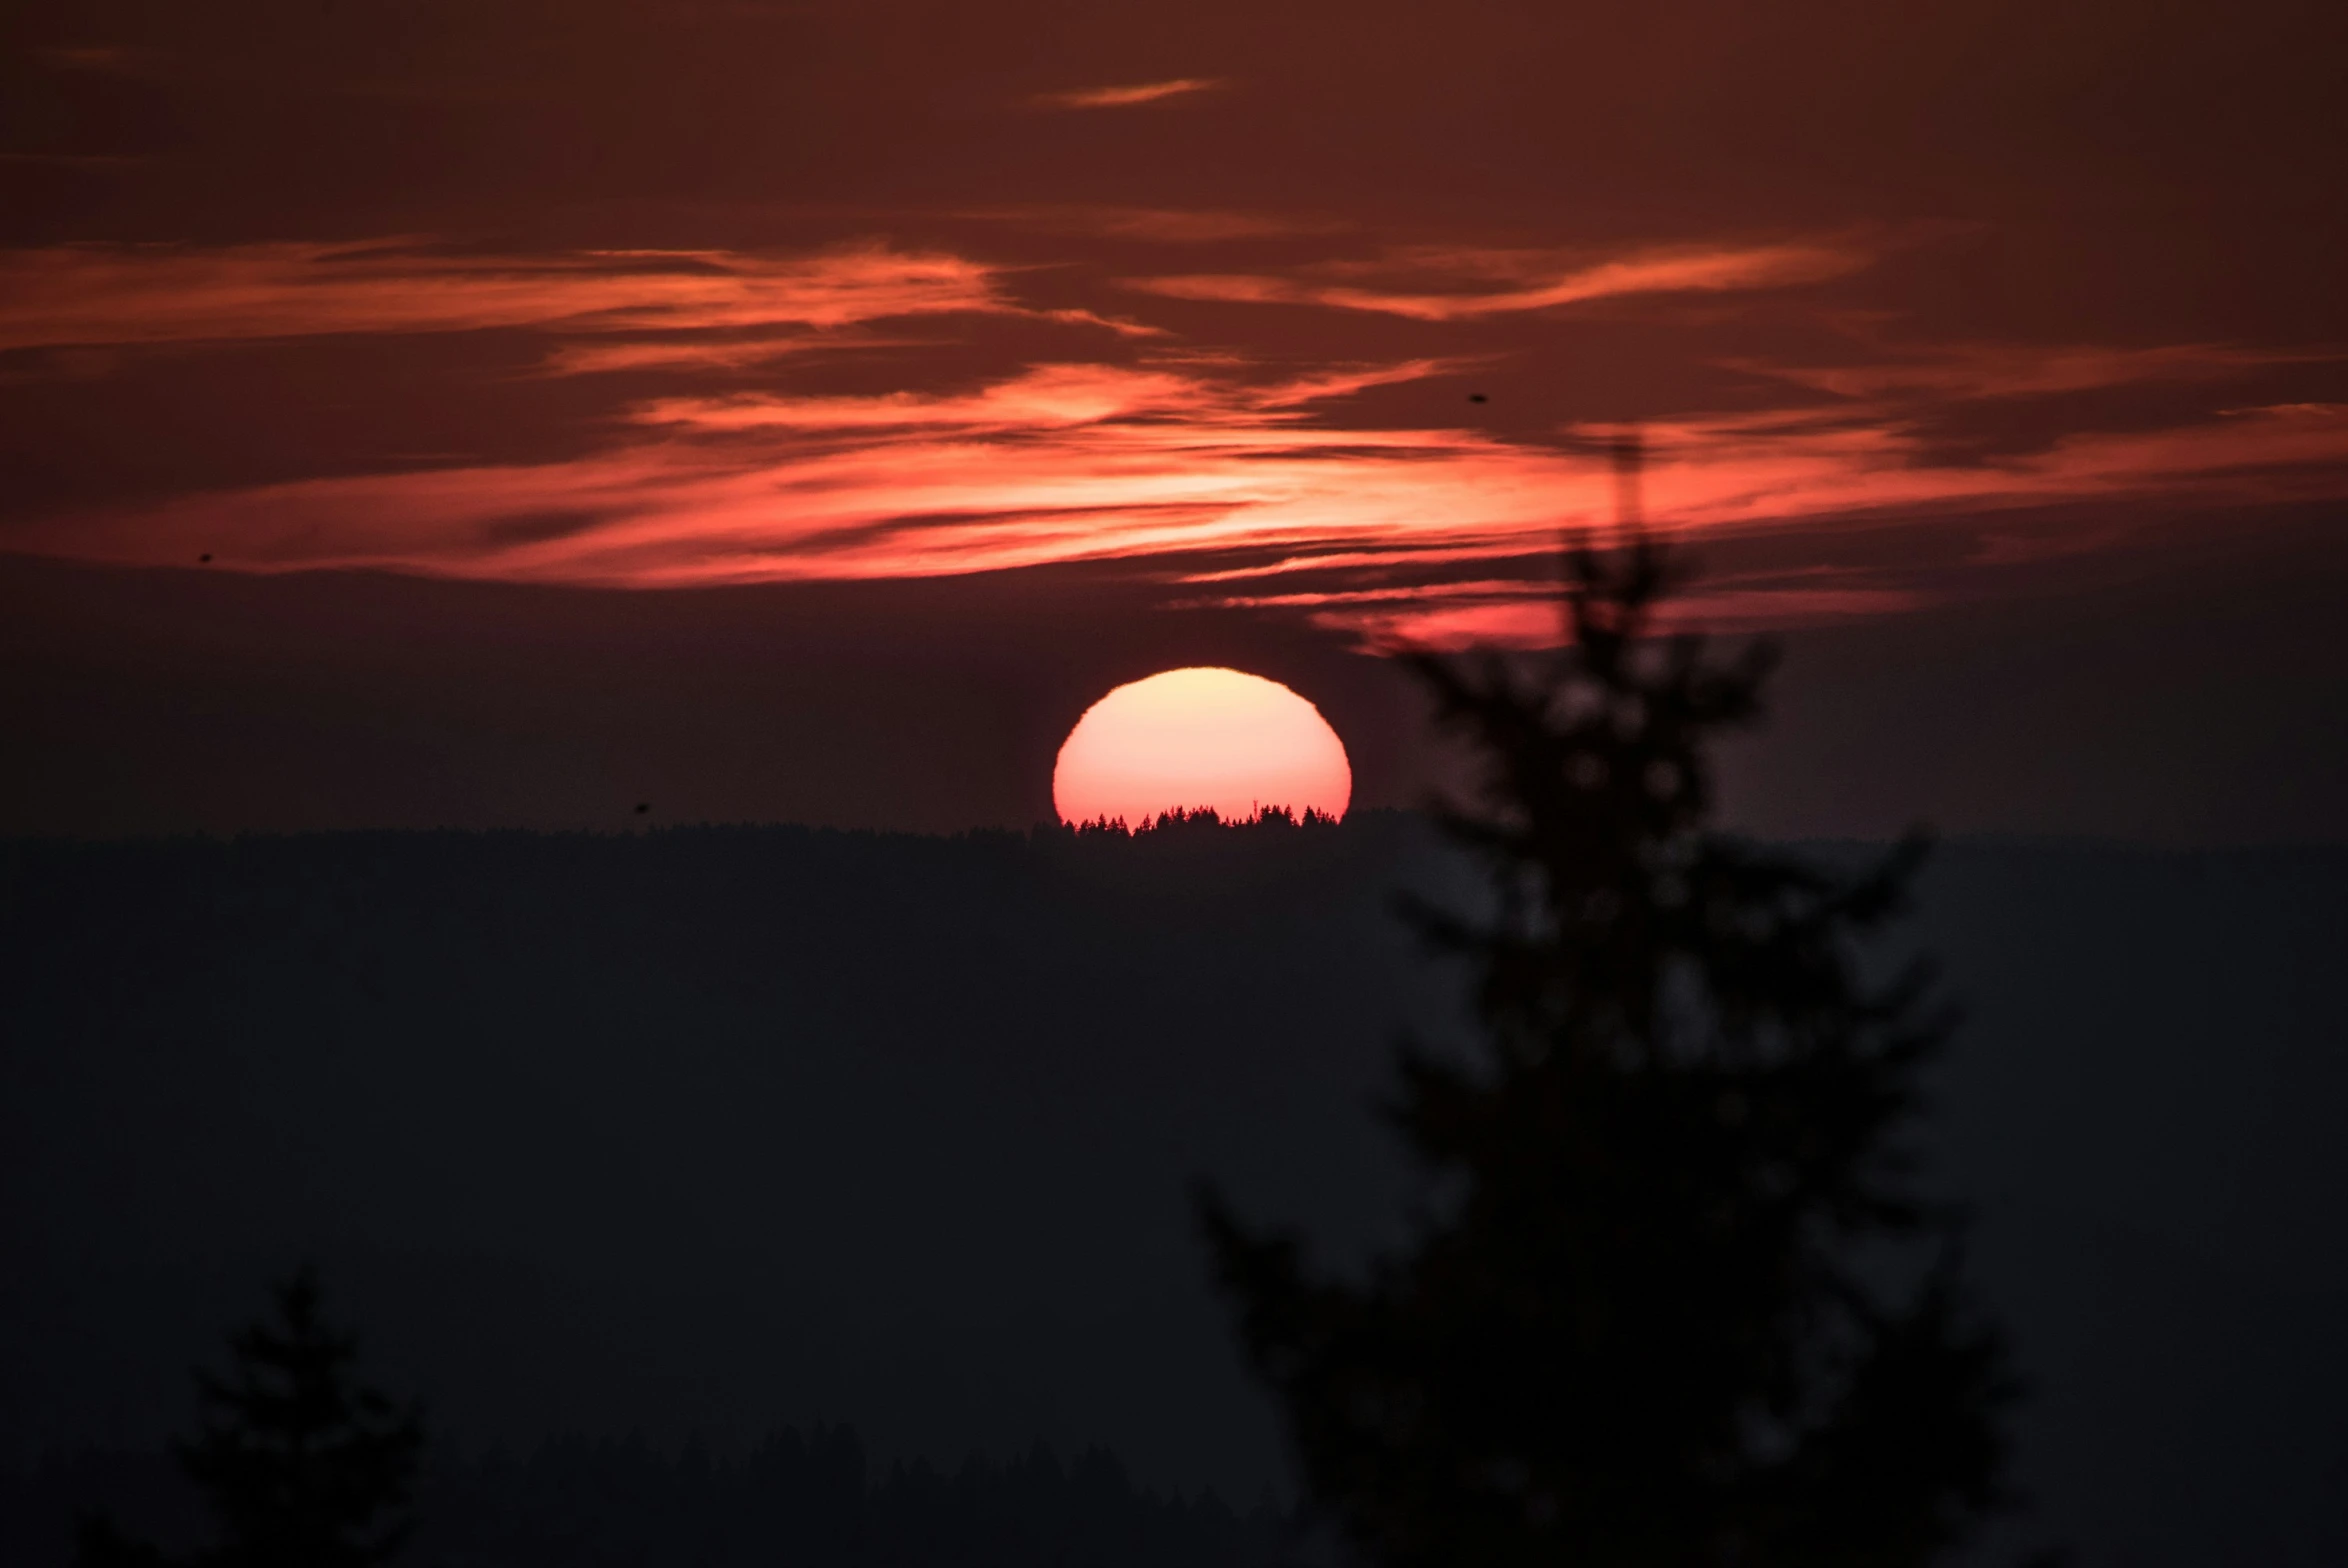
pixel 1175 469
pixel 1522 613
pixel 78 295
pixel 1126 97
pixel 1526 281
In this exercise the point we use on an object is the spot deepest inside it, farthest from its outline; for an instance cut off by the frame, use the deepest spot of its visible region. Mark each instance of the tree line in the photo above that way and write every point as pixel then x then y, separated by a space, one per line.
pixel 328 1473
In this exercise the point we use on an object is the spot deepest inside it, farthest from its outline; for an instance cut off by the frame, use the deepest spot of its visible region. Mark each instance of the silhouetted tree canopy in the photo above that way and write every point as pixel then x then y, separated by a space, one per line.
pixel 1673 1303
pixel 1182 822
pixel 302 1466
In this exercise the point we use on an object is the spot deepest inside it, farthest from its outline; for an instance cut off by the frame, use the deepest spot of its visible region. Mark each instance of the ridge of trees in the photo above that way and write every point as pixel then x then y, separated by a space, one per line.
pixel 1194 819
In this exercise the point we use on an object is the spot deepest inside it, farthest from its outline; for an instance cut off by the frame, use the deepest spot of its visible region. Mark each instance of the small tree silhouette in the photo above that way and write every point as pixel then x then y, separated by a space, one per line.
pixel 302 1466
pixel 1649 1321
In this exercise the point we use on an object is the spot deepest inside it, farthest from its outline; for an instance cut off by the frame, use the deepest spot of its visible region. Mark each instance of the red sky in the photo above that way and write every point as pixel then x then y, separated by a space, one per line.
pixel 1281 326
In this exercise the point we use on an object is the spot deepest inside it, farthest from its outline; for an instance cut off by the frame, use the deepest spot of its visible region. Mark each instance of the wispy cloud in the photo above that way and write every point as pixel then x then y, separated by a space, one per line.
pixel 1126 97
pixel 1522 613
pixel 1056 464
pixel 1500 282
pixel 1177 465
pixel 602 356
pixel 1042 398
pixel 1223 473
pixel 131 294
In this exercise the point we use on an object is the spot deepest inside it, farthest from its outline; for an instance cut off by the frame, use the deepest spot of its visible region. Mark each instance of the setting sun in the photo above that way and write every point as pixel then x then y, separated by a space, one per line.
pixel 1186 739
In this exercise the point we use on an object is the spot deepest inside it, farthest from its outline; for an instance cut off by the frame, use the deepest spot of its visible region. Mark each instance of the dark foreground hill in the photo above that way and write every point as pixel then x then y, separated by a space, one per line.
pixel 708 1131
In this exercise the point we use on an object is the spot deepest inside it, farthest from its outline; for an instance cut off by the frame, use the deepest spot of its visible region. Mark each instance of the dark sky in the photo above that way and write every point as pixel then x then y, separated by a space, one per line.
pixel 803 411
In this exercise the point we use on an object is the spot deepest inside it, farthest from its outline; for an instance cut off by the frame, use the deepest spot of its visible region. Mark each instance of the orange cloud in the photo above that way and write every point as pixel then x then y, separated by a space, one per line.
pixel 1522 614
pixel 1040 398
pixel 1177 464
pixel 127 294
pixel 1207 468
pixel 1126 97
pixel 1529 280
pixel 1043 397
pixel 1060 463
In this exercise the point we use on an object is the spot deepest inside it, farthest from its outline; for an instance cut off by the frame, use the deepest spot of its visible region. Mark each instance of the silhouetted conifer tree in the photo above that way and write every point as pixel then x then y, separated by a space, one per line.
pixel 301 1465
pixel 1652 1318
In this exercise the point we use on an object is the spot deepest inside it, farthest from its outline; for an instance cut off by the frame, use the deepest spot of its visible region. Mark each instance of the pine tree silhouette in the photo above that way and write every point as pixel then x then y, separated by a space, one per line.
pixel 1647 1319
pixel 301 1465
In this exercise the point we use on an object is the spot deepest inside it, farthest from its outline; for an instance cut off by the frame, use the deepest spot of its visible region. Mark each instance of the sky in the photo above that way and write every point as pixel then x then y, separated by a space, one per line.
pixel 508 413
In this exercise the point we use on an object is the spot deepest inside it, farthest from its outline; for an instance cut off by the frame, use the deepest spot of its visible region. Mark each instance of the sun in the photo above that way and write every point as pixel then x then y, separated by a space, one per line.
pixel 1184 739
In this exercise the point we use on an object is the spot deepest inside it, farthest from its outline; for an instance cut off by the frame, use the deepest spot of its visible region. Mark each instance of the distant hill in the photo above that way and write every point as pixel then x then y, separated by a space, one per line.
pixel 711 1130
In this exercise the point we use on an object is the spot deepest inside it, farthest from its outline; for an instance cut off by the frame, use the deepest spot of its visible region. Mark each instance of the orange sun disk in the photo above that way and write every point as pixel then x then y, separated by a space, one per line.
pixel 1185 739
